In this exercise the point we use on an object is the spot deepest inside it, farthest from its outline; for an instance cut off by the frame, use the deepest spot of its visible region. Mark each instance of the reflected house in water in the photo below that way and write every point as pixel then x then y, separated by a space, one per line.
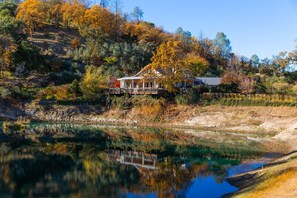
pixel 137 159
pixel 146 82
pixel 82 161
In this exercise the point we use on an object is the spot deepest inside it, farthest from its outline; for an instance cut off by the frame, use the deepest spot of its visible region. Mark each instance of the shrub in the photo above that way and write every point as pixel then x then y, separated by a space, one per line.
pixel 93 83
pixel 5 93
pixel 57 64
pixel 25 93
pixel 74 86
pixel 122 103
pixel 57 93
pixel 281 87
pixel 19 125
pixel 75 43
pixel 294 90
pixel 187 98
pixel 144 100
pixel 63 93
pixel 151 108
pixel 226 88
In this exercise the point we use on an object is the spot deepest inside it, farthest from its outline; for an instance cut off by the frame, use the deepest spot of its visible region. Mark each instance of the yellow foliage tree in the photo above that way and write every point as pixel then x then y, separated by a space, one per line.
pixel 73 14
pixel 176 65
pixel 196 64
pixel 147 32
pixel 54 14
pixel 93 82
pixel 32 12
pixel 7 47
pixel 99 21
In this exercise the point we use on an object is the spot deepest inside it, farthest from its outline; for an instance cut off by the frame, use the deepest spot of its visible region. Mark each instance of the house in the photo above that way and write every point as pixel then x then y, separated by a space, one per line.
pixel 145 82
pixel 138 84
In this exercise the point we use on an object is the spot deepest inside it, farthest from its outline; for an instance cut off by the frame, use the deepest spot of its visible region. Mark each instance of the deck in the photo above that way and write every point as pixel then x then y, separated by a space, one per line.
pixel 134 158
pixel 135 91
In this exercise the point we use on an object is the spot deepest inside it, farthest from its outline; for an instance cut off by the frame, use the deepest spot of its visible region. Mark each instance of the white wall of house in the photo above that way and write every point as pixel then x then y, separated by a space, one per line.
pixel 134 82
pixel 122 83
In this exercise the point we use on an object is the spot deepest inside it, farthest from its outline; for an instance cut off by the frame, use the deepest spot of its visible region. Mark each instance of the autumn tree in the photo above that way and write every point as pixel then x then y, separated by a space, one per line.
pixel 175 64
pixel 53 12
pixel 292 57
pixel 196 64
pixel 32 12
pixel 73 15
pixel 98 22
pixel 93 82
pixel 75 43
pixel 7 47
pixel 280 62
pixel 116 8
pixel 147 32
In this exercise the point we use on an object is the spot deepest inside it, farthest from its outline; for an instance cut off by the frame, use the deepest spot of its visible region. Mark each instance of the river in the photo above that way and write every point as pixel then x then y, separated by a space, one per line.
pixel 64 160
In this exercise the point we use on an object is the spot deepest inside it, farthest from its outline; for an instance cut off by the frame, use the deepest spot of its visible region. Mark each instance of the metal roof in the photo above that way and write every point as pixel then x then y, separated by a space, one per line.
pixel 210 80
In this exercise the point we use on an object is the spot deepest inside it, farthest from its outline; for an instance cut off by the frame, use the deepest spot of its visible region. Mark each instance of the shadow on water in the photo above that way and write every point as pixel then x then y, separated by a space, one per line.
pixel 60 160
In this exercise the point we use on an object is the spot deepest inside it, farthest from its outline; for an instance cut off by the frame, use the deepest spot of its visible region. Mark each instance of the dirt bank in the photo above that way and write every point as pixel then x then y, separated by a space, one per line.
pixel 280 123
pixel 276 179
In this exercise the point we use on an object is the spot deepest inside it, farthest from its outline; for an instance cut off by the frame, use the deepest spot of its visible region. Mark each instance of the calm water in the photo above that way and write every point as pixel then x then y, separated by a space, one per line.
pixel 49 160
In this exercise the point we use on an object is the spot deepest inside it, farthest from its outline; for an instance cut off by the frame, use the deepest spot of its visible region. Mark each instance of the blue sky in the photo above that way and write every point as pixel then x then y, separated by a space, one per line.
pixel 262 27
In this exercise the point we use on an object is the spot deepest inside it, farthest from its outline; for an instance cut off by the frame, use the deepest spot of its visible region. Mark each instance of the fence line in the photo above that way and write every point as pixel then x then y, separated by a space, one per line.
pixel 255 97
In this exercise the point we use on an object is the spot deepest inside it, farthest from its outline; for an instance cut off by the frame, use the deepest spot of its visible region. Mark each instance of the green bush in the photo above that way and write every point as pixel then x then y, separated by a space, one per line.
pixel 93 83
pixel 187 98
pixel 82 101
pixel 226 88
pixel 74 87
pixel 5 93
pixel 122 103
pixel 144 100
pixel 25 93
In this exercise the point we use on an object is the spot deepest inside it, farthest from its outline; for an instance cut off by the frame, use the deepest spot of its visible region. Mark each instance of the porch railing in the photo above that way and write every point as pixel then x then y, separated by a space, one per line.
pixel 135 91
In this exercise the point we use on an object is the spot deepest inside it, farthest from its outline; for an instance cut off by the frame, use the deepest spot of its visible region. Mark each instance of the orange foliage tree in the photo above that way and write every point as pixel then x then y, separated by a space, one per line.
pixel 32 12
pixel 147 32
pixel 98 21
pixel 244 82
pixel 230 77
pixel 176 65
pixel 73 14
pixel 7 47
pixel 54 14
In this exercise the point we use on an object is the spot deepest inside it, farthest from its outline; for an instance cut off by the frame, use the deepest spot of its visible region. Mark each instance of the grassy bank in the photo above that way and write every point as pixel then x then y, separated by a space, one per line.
pixel 277 179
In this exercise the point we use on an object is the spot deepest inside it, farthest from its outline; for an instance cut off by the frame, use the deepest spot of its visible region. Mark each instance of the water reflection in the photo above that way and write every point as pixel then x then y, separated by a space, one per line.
pixel 50 160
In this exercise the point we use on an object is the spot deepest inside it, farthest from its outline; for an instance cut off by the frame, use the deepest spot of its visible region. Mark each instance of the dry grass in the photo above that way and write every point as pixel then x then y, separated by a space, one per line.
pixel 282 185
pixel 279 180
pixel 151 112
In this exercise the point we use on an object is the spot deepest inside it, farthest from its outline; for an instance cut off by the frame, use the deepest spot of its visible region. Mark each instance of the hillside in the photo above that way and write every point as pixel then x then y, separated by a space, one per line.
pixel 54 41
pixel 69 51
